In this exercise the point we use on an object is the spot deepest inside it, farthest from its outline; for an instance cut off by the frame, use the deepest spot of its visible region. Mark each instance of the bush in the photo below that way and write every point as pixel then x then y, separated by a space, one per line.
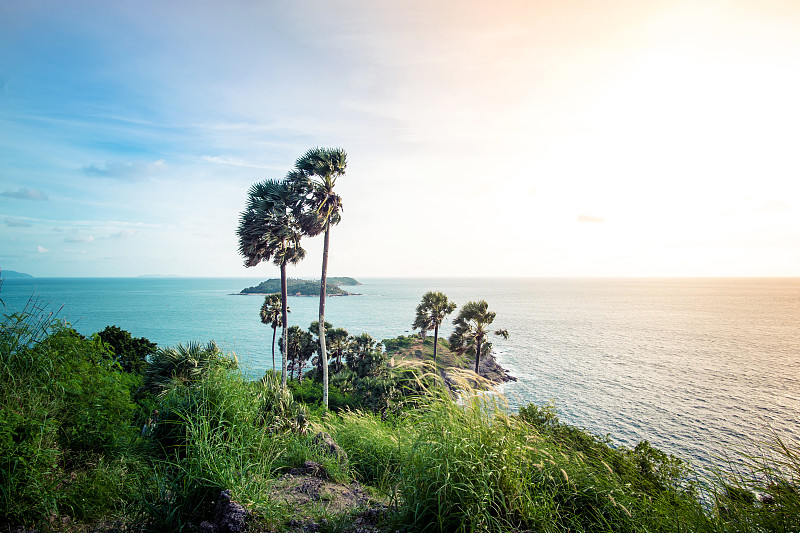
pixel 65 414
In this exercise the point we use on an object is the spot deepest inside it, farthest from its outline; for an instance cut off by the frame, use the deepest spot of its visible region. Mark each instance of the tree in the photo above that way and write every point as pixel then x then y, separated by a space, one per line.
pixel 300 347
pixel 315 174
pixel 365 356
pixel 338 341
pixel 431 312
pixel 130 352
pixel 268 229
pixel 271 314
pixel 471 330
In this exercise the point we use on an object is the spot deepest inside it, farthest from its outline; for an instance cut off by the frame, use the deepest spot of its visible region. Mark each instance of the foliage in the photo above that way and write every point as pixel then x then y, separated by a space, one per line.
pixel 431 312
pixel 473 467
pixel 130 352
pixel 365 357
pixel 471 330
pixel 184 364
pixel 269 229
pixel 217 433
pixel 760 488
pixel 65 418
pixel 301 347
pixel 271 314
pixel 317 209
pixel 310 392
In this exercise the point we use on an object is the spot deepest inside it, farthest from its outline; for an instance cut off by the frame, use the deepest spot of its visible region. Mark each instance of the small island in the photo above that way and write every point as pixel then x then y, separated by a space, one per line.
pixel 304 287
pixel 9 274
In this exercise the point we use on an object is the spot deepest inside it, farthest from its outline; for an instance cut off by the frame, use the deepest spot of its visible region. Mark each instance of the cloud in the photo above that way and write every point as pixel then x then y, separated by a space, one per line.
pixel 124 234
pixel 16 223
pixel 70 251
pixel 25 193
pixel 41 249
pixel 590 219
pixel 87 238
pixel 124 169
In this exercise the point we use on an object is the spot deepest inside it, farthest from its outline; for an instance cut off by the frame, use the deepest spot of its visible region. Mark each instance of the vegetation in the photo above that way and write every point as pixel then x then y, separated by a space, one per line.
pixel 76 453
pixel 303 287
pixel 431 311
pixel 471 330
pixel 130 352
pixel 314 176
pixel 269 229
pixel 271 314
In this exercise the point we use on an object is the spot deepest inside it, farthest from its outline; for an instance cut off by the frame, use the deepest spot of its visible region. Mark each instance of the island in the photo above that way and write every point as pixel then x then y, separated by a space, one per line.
pixel 304 287
pixel 9 274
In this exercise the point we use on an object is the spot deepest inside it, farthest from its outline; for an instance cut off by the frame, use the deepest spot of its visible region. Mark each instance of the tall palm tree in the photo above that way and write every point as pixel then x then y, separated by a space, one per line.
pixel 431 312
pixel 271 314
pixel 315 174
pixel 471 330
pixel 268 229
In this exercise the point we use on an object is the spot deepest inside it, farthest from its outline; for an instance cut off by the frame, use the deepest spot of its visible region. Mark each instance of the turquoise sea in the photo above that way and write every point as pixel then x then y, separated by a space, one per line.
pixel 699 367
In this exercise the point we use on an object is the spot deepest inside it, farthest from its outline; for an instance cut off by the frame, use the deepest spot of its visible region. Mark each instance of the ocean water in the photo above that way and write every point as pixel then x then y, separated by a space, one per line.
pixel 699 367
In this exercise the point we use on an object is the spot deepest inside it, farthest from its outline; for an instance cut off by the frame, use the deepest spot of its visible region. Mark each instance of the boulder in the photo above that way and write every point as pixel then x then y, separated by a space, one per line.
pixel 229 516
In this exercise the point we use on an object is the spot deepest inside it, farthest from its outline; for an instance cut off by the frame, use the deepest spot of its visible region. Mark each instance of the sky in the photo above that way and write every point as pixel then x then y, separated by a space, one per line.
pixel 552 138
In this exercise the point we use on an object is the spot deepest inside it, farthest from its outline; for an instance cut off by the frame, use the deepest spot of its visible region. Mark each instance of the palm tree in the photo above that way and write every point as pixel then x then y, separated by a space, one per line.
pixel 183 365
pixel 268 229
pixel 471 329
pixel 315 174
pixel 300 349
pixel 271 314
pixel 338 338
pixel 431 312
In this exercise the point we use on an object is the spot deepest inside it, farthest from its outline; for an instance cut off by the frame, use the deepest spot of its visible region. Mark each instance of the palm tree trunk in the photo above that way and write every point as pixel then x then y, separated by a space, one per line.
pixel 322 292
pixel 285 317
pixel 477 353
pixel 274 331
pixel 435 343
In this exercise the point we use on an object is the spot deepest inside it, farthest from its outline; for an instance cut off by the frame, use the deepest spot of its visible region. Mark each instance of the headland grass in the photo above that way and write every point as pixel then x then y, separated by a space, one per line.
pixel 85 446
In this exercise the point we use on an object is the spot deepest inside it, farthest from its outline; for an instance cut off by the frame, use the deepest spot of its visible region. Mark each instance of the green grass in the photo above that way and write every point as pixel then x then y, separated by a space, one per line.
pixel 71 446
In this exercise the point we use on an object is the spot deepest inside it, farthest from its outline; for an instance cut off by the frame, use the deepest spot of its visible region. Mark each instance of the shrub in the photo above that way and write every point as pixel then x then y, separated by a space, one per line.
pixel 65 413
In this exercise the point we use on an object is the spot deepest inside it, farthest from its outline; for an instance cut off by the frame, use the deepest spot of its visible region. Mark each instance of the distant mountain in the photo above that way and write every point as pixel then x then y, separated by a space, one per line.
pixel 8 274
pixel 302 287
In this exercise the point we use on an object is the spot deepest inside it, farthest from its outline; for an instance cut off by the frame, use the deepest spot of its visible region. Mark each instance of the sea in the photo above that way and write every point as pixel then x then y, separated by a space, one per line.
pixel 701 368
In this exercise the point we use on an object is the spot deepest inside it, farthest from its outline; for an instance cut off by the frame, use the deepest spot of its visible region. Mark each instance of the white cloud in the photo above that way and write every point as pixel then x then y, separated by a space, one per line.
pixel 41 249
pixel 87 238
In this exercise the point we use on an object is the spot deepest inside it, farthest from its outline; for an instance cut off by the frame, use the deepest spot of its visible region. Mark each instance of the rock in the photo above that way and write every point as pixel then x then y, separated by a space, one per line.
pixel 229 516
pixel 310 468
pixel 329 447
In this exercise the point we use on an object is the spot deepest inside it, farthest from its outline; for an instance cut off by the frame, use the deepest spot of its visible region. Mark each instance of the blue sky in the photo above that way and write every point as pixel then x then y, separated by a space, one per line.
pixel 484 138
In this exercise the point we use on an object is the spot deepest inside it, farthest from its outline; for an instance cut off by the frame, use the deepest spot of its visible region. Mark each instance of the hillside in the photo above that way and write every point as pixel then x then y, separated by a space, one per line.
pixel 414 348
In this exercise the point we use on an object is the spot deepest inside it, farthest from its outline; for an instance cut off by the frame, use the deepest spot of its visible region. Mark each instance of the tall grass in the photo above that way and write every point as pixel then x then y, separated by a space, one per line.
pixel 211 436
pixel 473 467
pixel 759 489
pixel 65 416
